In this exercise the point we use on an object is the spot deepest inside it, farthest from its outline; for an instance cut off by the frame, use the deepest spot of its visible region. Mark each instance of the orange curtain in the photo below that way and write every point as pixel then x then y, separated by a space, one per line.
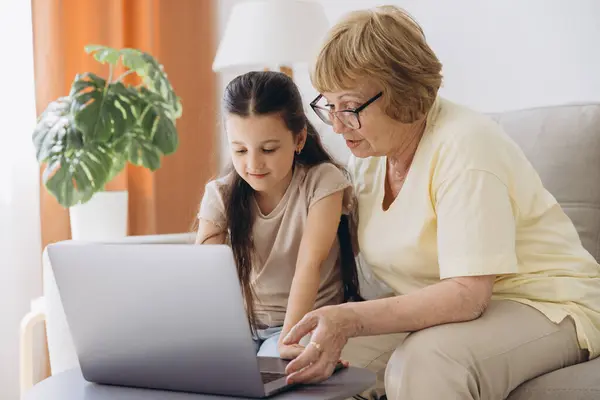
pixel 181 35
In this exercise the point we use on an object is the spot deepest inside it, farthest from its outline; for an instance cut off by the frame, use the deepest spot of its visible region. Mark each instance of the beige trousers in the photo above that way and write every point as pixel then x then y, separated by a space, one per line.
pixel 484 359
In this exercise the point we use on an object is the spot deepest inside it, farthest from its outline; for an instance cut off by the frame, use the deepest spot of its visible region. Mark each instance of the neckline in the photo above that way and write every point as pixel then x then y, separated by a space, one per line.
pixel 429 125
pixel 282 202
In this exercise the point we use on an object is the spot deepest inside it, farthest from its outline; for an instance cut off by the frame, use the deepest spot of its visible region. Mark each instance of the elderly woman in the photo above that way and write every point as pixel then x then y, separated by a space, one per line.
pixel 492 286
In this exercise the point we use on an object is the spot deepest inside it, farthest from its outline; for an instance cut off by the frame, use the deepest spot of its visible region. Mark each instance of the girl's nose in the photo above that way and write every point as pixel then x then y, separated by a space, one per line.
pixel 256 163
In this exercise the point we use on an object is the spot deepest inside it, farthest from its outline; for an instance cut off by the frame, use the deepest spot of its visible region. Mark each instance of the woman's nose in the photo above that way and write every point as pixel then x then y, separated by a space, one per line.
pixel 338 126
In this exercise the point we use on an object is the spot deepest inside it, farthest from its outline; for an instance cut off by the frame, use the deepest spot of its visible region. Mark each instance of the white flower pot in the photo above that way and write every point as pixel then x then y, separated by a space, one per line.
pixel 102 218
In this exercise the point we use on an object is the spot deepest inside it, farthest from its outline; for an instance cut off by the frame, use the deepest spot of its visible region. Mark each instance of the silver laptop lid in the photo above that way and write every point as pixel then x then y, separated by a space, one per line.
pixel 162 316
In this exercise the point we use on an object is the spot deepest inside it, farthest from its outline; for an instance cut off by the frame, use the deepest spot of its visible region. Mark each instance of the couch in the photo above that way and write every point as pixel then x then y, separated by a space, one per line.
pixel 562 143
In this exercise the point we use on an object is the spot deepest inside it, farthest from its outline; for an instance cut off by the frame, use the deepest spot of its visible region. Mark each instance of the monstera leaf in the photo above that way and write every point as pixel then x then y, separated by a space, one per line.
pixel 101 111
pixel 146 66
pixel 138 149
pixel 157 124
pixel 55 131
pixel 86 138
pixel 142 151
pixel 74 177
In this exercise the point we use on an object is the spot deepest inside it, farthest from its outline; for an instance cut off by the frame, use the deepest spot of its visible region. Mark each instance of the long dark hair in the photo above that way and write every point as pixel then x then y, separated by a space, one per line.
pixel 261 93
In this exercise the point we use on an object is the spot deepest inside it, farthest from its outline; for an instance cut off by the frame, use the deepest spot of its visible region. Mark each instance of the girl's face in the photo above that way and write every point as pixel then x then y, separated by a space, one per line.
pixel 262 150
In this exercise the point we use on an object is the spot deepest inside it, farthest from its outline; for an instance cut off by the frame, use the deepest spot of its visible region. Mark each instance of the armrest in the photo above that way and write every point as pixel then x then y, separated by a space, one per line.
pixel 182 238
pixel 166 238
pixel 37 314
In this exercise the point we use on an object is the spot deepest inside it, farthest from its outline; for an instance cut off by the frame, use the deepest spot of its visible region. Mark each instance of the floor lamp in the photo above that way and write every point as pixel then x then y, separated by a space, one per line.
pixel 263 34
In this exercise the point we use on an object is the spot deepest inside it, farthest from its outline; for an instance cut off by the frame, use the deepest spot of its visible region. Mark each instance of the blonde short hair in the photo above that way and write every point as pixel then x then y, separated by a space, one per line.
pixel 386 46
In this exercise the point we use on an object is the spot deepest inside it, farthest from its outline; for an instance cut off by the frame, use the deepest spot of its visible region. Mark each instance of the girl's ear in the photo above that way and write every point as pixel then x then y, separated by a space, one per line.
pixel 301 140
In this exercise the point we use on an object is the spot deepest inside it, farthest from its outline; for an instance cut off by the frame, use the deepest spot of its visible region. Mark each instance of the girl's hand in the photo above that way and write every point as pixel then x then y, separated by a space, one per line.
pixel 289 352
pixel 331 326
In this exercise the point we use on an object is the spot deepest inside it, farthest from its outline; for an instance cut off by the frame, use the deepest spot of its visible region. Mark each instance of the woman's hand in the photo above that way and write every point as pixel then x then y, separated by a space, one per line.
pixel 289 352
pixel 331 327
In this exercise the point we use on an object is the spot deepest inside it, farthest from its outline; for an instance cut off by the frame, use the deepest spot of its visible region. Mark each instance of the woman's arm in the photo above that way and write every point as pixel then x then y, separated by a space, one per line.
pixel 209 233
pixel 318 237
pixel 452 300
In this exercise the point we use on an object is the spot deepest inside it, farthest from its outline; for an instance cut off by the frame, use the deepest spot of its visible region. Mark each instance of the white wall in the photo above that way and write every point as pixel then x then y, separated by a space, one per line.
pixel 20 240
pixel 509 53
pixel 497 54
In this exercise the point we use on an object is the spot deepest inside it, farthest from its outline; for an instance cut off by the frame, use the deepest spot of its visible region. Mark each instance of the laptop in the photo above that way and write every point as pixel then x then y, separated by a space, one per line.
pixel 161 316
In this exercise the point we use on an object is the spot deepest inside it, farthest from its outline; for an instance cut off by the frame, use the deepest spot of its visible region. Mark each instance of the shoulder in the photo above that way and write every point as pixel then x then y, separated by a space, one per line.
pixel 218 187
pixel 215 192
pixel 453 124
pixel 461 139
pixel 322 180
pixel 324 174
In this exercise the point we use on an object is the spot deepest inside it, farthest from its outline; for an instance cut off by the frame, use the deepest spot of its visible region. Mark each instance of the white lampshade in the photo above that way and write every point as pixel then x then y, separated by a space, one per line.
pixel 271 32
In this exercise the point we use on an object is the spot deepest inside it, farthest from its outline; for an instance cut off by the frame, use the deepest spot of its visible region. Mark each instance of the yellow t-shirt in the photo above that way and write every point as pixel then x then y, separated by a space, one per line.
pixel 472 204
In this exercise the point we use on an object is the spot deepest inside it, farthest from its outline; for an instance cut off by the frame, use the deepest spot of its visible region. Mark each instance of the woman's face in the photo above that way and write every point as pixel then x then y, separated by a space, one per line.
pixel 379 134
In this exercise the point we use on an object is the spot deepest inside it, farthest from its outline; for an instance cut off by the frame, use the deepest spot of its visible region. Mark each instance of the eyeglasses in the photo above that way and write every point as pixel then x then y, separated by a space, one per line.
pixel 347 117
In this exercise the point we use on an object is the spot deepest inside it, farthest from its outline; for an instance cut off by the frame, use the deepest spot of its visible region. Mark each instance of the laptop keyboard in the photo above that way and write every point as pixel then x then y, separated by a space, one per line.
pixel 270 376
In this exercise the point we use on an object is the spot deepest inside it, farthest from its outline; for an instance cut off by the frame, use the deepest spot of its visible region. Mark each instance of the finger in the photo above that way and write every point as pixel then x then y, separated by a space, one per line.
pixel 315 373
pixel 323 373
pixel 345 363
pixel 292 352
pixel 308 356
pixel 301 329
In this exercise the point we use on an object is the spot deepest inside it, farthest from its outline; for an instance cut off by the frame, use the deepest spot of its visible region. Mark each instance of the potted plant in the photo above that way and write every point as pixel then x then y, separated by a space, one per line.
pixel 87 137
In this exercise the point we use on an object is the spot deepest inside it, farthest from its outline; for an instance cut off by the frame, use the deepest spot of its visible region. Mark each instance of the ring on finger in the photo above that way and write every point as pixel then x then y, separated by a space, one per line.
pixel 317 346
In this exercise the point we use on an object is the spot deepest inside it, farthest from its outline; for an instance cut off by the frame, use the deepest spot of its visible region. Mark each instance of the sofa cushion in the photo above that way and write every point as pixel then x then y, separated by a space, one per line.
pixel 563 145
pixel 579 382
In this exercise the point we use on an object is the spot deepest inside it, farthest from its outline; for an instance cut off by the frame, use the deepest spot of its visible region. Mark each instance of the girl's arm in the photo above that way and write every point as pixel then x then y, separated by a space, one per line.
pixel 318 237
pixel 209 233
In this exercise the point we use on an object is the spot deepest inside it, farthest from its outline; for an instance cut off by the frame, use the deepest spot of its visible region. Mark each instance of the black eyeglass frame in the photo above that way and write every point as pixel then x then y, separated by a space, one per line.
pixel 355 111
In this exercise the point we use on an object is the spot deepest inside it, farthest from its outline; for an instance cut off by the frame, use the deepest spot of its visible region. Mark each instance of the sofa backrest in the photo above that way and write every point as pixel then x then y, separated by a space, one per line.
pixel 563 145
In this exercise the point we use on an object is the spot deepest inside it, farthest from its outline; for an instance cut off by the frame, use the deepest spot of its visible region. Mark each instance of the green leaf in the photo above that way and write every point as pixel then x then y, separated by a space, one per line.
pixel 119 162
pixel 141 151
pixel 157 124
pixel 154 78
pixel 74 178
pixel 101 111
pixel 121 145
pixel 50 126
pixel 104 54
pixel 56 179
pixel 157 81
pixel 90 48
pixel 73 138
pixel 85 186
pixel 147 67
pixel 55 130
pixel 133 59
pixel 126 101
pixel 165 134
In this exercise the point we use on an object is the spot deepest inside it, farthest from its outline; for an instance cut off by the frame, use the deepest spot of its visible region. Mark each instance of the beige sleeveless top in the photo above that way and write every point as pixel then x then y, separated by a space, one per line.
pixel 277 238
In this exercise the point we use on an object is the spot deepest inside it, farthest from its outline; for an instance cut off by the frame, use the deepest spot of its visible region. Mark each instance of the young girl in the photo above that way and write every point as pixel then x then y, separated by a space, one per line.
pixel 280 209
